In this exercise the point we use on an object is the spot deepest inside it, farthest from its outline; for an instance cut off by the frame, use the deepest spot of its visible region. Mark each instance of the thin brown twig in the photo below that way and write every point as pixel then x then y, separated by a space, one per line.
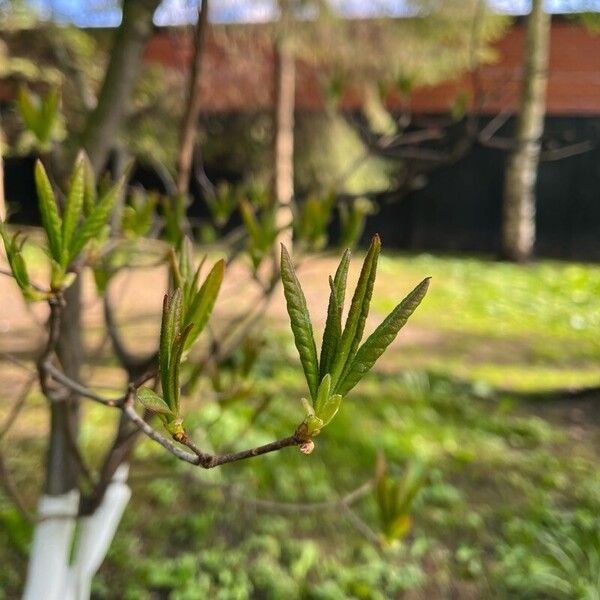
pixel 309 507
pixel 11 358
pixel 35 286
pixel 362 527
pixel 11 490
pixel 78 388
pixel 17 406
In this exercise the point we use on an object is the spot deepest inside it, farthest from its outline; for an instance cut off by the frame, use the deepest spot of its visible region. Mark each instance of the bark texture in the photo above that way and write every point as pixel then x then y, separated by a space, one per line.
pixel 518 223
pixel 283 142
pixel 123 67
pixel 97 139
pixel 194 102
pixel 2 200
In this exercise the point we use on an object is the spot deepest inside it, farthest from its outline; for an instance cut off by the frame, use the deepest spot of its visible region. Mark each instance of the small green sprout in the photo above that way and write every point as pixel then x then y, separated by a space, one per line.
pixel 81 222
pixel 396 497
pixel 312 221
pixel 185 313
pixel 41 117
pixel 14 246
pixel 342 362
pixel 69 233
pixel 262 231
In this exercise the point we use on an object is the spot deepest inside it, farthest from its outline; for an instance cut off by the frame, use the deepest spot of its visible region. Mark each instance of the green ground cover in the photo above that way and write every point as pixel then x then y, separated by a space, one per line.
pixel 512 494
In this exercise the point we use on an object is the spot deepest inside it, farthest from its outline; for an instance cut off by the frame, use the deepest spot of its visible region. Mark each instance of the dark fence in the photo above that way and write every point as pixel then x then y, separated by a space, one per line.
pixel 459 210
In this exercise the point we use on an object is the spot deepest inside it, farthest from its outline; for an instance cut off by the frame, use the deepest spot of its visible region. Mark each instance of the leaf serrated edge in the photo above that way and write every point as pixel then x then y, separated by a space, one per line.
pixel 51 220
pixel 300 322
pixel 335 308
pixel 73 207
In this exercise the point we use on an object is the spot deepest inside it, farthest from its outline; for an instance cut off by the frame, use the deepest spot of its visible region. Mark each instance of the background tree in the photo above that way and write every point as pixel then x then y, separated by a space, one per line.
pixel 52 540
pixel 518 225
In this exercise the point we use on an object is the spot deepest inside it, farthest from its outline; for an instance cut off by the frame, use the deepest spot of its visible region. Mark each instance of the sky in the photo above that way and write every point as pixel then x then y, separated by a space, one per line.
pixel 106 13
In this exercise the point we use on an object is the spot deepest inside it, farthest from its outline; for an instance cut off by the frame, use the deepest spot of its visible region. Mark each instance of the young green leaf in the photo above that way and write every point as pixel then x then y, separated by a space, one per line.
pixel 176 354
pixel 323 393
pixel 90 193
pixel 333 325
pixel 250 220
pixel 73 206
pixel 27 110
pixel 341 277
pixel 164 348
pixel 49 211
pixel 19 269
pixel 300 321
pixel 16 262
pixel 95 221
pixel 167 335
pixel 47 116
pixel 152 401
pixel 329 408
pixel 203 302
pixel 191 285
pixel 357 315
pixel 175 271
pixel 381 338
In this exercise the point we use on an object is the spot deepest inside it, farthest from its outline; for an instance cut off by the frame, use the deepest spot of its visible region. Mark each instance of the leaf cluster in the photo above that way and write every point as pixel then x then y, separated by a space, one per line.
pixel 313 218
pixel 343 361
pixel 83 217
pixel 41 117
pixel 396 497
pixel 261 228
pixel 353 216
pixel 174 214
pixel 186 310
pixel 138 214
pixel 14 253
pixel 69 230
pixel 223 203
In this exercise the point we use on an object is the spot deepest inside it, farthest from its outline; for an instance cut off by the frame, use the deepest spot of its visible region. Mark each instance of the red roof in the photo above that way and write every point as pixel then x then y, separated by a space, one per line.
pixel 238 76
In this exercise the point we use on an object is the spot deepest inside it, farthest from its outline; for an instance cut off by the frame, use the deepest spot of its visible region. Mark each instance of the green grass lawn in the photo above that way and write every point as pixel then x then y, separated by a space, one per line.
pixel 512 495
pixel 521 328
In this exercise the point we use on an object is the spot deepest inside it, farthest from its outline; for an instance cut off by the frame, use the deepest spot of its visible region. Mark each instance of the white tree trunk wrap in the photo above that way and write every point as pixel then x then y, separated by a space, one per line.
pixel 51 549
pixel 51 575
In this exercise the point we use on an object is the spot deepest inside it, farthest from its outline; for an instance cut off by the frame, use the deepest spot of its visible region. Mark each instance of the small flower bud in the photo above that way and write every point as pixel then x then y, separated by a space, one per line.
pixel 307 447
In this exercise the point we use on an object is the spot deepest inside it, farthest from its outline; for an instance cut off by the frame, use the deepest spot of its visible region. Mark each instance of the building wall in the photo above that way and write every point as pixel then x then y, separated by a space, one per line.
pixel 236 75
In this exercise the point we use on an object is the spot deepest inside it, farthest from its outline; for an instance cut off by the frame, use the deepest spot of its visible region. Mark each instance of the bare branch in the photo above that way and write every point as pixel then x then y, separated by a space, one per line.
pixel 35 286
pixel 78 388
pixel 494 125
pixel 308 507
pixel 362 527
pixel 193 105
pixel 208 461
pixel 567 151
pixel 134 365
pixel 12 492
pixel 11 358
pixel 17 406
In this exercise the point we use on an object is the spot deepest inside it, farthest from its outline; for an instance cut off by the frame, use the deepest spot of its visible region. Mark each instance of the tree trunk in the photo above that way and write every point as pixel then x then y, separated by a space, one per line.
pixel 48 573
pixel 103 124
pixel 2 199
pixel 518 226
pixel 98 137
pixel 283 142
pixel 193 103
